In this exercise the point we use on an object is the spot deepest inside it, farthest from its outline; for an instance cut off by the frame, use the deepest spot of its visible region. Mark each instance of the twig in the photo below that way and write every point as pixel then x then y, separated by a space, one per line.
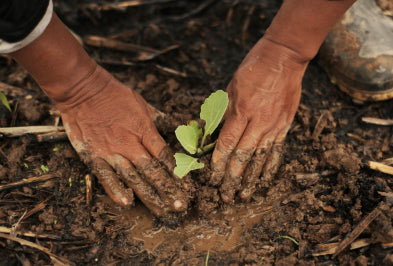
pixel 40 206
pixel 247 23
pixel 388 161
pixel 387 245
pixel 330 248
pixel 26 181
pixel 171 71
pixel 20 131
pixel 321 124
pixel 16 225
pixel 354 136
pixel 125 34
pixel 122 6
pixel 230 12
pixel 7 230
pixel 57 260
pixel 51 137
pixel 357 231
pixel 89 189
pixel 128 63
pixel 115 62
pixel 193 12
pixel 378 121
pixel 145 53
pixel 380 167
pixel 98 41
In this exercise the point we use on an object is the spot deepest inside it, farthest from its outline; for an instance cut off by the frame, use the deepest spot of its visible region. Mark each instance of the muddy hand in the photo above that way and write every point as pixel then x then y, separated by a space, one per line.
pixel 112 129
pixel 263 98
pixel 264 95
pixel 108 124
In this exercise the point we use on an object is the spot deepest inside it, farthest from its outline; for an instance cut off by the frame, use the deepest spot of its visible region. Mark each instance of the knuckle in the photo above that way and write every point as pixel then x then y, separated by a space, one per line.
pixel 242 156
pixel 226 142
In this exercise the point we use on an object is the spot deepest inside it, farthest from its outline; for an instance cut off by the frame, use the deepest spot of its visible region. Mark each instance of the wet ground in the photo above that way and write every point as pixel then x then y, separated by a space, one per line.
pixel 322 195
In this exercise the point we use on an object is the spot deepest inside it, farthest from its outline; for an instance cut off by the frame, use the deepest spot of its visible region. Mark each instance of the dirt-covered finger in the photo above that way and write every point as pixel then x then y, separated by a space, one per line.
pixel 232 180
pixel 273 161
pixel 169 190
pixel 166 157
pixel 158 148
pixel 141 188
pixel 253 171
pixel 229 188
pixel 227 140
pixel 111 183
pixel 155 174
pixel 244 151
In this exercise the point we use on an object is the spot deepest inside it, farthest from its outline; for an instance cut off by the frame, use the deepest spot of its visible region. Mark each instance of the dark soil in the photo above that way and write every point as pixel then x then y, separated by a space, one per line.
pixel 320 194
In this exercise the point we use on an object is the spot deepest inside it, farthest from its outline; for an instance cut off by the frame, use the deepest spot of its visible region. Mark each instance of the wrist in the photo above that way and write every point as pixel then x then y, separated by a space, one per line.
pixel 56 61
pixel 303 25
pixel 276 55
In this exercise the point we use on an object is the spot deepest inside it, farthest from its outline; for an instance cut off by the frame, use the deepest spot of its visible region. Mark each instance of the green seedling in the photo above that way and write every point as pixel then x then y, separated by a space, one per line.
pixel 5 101
pixel 55 149
pixel 44 169
pixel 26 165
pixel 193 138
pixel 288 237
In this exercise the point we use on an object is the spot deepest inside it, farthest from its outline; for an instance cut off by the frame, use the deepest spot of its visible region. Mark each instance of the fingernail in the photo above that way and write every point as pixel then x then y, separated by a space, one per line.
pixel 125 201
pixel 245 194
pixel 227 198
pixel 179 205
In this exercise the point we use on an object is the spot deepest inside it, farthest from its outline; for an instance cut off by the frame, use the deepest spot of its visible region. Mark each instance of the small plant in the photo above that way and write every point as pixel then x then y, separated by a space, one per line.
pixel 55 149
pixel 193 138
pixel 288 237
pixel 44 169
pixel 5 101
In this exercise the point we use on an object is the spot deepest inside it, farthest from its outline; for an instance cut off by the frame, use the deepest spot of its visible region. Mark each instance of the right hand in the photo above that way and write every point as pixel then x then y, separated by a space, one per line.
pixel 264 95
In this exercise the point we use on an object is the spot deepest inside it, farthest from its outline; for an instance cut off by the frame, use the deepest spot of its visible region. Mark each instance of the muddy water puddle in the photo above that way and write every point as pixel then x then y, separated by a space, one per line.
pixel 220 231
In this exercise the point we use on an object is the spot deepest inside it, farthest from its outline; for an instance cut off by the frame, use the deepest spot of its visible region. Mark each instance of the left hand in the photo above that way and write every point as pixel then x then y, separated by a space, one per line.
pixel 264 95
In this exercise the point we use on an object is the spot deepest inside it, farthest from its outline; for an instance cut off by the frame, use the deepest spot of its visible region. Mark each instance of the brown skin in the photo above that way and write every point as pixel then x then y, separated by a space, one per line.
pixel 111 126
pixel 264 95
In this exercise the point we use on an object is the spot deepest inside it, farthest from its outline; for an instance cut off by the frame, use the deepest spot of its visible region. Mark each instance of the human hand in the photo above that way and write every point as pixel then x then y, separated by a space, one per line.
pixel 264 95
pixel 108 124
pixel 110 127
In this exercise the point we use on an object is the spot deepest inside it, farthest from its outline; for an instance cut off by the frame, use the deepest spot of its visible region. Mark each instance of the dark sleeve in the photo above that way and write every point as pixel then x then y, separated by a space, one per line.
pixel 19 17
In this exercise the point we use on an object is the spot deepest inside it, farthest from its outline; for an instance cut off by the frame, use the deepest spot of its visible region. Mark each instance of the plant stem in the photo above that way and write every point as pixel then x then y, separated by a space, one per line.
pixel 205 149
pixel 203 141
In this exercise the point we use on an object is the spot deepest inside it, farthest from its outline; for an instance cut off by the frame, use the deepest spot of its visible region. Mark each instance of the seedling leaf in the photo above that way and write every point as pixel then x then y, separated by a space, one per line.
pixel 185 164
pixel 44 168
pixel 188 136
pixel 4 101
pixel 212 111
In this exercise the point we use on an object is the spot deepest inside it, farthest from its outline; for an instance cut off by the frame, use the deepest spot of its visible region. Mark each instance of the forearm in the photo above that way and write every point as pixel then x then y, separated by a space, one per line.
pixel 56 61
pixel 302 25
